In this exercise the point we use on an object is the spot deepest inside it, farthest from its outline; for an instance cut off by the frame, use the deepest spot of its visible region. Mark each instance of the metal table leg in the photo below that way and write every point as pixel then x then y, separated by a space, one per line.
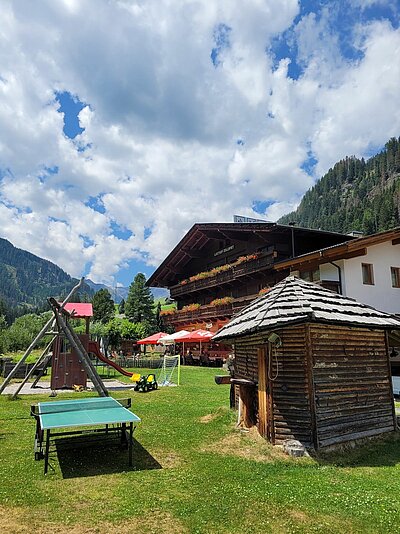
pixel 46 453
pixel 130 443
pixel 123 435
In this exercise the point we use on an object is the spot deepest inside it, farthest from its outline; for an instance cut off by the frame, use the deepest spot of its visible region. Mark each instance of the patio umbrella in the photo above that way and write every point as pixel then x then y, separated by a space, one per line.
pixel 173 338
pixel 152 340
pixel 197 336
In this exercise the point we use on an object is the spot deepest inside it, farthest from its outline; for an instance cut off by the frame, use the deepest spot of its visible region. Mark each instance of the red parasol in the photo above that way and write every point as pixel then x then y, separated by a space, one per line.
pixel 152 340
pixel 197 336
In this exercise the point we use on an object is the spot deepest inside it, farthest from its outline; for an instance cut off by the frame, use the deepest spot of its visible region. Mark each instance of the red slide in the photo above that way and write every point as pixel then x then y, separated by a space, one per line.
pixel 95 349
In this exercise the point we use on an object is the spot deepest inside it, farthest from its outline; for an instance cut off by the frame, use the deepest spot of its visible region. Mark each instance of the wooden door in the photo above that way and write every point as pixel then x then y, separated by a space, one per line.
pixel 265 416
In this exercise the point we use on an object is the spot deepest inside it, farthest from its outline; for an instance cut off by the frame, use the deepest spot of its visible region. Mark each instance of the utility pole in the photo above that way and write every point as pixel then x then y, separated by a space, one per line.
pixel 292 224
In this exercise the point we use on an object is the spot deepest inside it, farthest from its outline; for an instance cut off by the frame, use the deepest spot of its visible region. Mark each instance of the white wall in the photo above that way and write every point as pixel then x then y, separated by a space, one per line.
pixel 330 272
pixel 381 295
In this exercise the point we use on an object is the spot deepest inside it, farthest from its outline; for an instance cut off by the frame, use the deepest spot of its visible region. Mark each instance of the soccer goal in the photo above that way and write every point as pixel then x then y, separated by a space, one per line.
pixel 170 371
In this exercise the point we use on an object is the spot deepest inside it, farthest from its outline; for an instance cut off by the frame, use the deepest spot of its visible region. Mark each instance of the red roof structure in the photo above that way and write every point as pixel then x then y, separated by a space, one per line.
pixel 79 310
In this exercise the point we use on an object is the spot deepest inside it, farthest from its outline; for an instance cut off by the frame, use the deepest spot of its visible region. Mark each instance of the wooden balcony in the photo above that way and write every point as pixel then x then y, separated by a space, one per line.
pixel 207 313
pixel 226 277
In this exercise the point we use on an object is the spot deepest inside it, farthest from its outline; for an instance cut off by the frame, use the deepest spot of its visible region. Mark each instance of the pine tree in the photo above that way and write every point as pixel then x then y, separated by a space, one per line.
pixel 159 320
pixel 140 302
pixel 103 306
pixel 121 307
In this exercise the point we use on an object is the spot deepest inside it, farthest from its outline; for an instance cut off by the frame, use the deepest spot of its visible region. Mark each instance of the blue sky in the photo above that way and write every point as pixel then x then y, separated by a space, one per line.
pixel 114 143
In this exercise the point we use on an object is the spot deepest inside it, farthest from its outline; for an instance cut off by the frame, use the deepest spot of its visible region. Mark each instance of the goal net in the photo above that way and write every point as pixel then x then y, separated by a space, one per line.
pixel 170 371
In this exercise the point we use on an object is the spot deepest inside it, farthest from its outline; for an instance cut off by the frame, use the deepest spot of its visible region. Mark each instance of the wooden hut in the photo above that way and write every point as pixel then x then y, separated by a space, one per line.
pixel 313 365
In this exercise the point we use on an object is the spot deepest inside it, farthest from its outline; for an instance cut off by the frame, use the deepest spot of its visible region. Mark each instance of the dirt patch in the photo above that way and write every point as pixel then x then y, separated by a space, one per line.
pixel 167 459
pixel 248 445
pixel 20 521
pixel 329 524
pixel 299 516
pixel 208 418
pixel 157 522
pixel 212 416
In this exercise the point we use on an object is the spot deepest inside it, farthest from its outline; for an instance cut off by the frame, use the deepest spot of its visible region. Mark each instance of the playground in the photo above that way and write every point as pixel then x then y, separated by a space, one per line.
pixel 187 468
pixel 192 472
pixel 75 358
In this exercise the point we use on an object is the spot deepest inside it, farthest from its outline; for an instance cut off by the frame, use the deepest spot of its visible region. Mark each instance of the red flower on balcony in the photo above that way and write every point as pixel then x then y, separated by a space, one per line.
pixel 220 269
pixel 222 301
pixel 264 291
pixel 168 312
pixel 191 307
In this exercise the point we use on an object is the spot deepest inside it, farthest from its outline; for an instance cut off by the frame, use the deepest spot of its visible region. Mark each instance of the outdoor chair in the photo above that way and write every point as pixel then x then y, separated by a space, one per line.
pixel 189 359
pixel 204 359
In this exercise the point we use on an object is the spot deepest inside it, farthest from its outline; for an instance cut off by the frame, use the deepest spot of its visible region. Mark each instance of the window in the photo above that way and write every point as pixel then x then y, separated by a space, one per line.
pixel 395 271
pixel 367 274
pixel 310 276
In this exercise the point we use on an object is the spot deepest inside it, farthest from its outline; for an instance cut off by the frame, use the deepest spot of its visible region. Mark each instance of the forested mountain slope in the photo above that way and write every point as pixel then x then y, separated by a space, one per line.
pixel 355 195
pixel 27 280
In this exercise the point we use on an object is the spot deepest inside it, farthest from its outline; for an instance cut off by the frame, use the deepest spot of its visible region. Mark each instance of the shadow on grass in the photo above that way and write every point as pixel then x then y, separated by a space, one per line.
pixel 95 459
pixel 374 452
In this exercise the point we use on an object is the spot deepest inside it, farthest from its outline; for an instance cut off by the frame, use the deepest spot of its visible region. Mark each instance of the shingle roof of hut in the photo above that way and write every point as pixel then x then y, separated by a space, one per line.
pixel 296 301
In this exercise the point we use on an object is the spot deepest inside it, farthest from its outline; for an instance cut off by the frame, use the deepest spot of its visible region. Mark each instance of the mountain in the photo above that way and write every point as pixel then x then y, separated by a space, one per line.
pixel 354 195
pixel 118 293
pixel 27 280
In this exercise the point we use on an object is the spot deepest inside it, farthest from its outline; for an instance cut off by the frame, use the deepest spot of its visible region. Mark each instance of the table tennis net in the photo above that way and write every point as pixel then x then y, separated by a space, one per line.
pixel 103 403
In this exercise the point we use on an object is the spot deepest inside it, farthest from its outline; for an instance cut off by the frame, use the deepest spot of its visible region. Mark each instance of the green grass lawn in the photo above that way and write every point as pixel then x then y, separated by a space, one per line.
pixel 193 472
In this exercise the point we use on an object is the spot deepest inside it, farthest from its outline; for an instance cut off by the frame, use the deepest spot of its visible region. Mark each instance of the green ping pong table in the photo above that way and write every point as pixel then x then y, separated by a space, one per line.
pixel 110 415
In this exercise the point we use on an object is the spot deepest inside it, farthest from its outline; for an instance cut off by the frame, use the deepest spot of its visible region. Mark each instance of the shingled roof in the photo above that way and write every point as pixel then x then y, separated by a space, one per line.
pixel 294 301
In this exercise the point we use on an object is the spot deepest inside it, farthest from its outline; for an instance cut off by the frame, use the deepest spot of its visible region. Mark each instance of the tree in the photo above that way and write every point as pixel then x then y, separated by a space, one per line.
pixel 159 320
pixel 6 312
pixel 3 329
pixel 119 329
pixel 103 306
pixel 23 331
pixel 121 307
pixel 140 302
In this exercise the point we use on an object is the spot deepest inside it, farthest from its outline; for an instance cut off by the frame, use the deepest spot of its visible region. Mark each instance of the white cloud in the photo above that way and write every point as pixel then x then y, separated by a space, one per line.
pixel 159 151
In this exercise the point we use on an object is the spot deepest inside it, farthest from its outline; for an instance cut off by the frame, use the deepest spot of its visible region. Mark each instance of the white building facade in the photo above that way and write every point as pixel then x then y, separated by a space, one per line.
pixel 366 269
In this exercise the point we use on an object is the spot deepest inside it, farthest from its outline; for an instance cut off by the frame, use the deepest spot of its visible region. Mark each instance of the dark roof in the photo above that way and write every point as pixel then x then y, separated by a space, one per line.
pixel 295 301
pixel 201 233
pixel 346 250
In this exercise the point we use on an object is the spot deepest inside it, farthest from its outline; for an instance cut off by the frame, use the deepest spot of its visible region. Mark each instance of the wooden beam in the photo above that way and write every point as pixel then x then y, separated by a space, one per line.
pixel 212 234
pixel 195 254
pixel 270 396
pixel 310 385
pixel 390 379
pixel 264 236
pixel 352 254
pixel 173 270
pixel 236 236
pixel 312 261
pixel 396 241
pixel 262 392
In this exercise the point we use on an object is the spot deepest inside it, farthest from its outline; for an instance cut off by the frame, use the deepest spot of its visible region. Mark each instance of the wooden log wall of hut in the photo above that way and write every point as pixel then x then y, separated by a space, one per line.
pixel 288 402
pixel 326 384
pixel 352 383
